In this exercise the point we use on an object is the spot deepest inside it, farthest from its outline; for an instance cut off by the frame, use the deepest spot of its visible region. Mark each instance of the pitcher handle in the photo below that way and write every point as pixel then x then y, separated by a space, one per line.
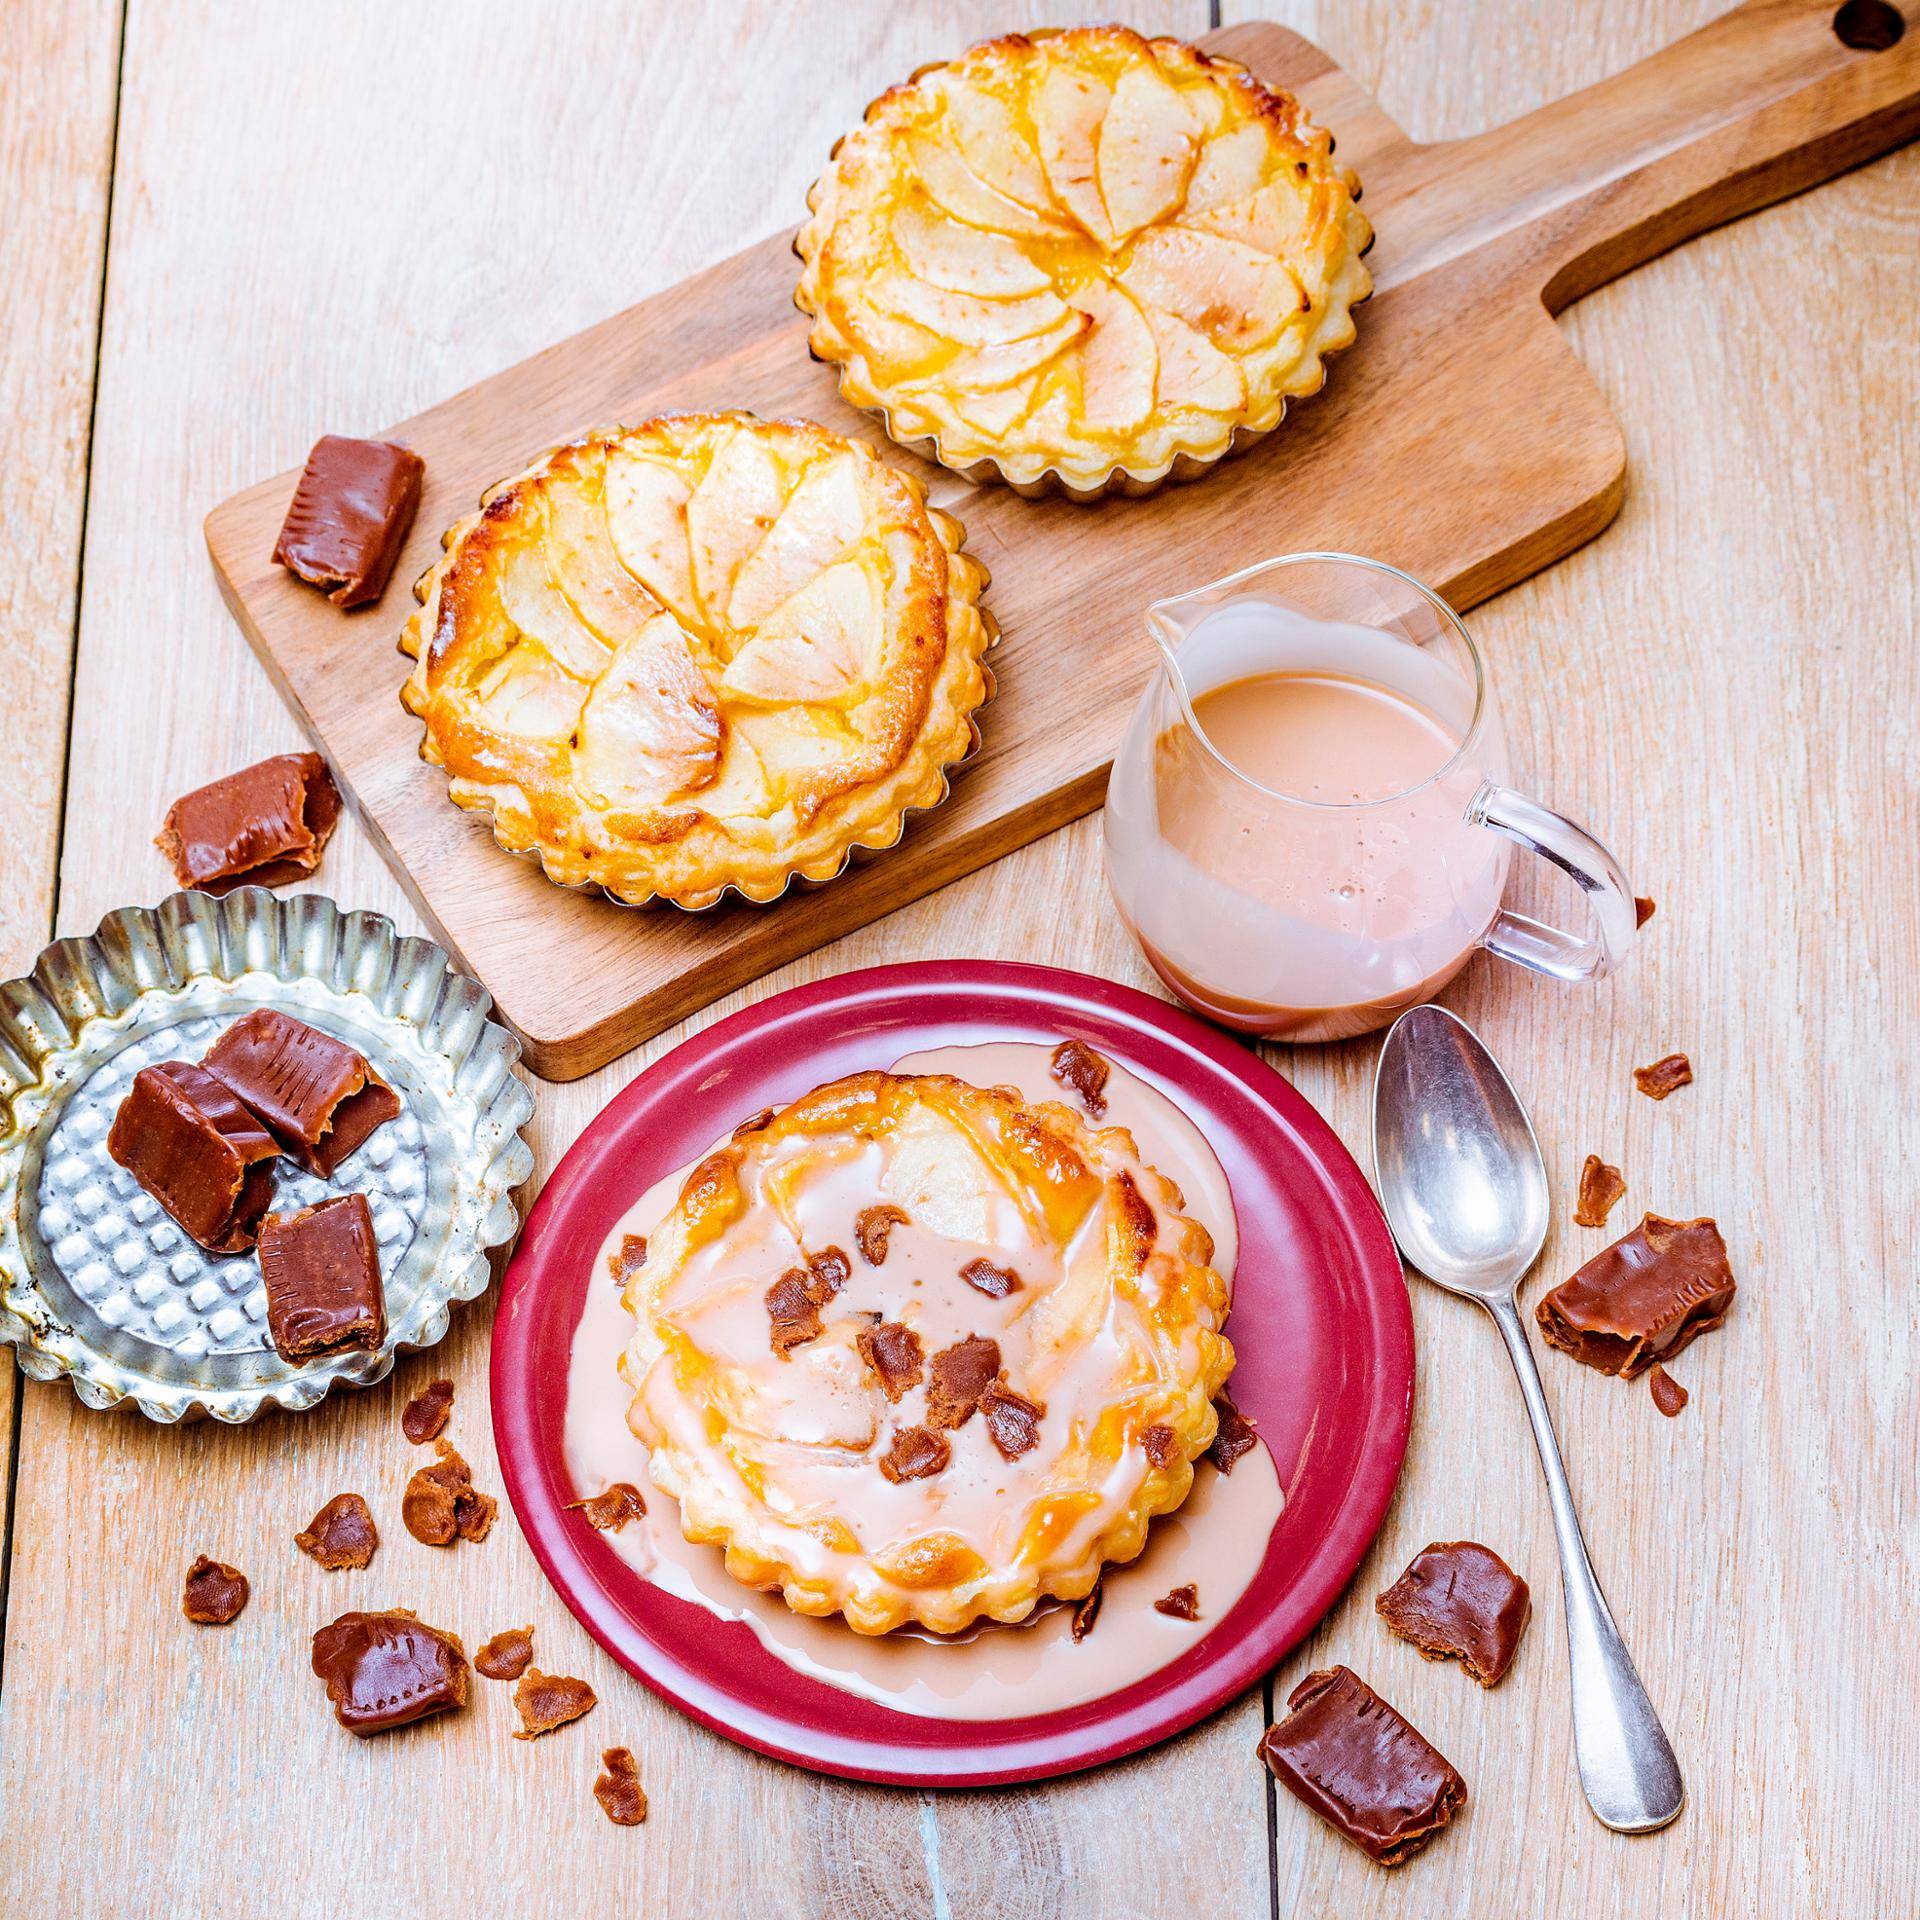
pixel 1532 943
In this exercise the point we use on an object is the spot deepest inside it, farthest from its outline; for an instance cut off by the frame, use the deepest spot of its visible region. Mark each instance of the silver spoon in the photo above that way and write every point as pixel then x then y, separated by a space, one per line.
pixel 1465 1192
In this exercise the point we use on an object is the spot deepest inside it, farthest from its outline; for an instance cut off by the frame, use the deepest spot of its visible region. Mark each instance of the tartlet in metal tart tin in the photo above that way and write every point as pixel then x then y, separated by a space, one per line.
pixel 707 653
pixel 101 1286
pixel 1082 260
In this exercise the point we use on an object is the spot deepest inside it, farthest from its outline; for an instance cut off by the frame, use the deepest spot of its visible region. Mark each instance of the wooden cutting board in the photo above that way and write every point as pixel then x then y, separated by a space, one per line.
pixel 1458 439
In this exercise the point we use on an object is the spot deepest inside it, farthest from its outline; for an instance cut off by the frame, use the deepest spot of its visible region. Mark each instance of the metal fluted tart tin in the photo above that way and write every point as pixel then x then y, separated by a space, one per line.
pixel 97 1283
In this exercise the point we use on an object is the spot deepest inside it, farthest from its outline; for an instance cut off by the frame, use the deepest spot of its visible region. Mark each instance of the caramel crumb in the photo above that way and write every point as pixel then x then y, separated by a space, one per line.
pixel 1642 911
pixel 1668 1394
pixel 215 1593
pixel 631 1257
pixel 621 1797
pixel 893 1355
pixel 341 1534
pixel 441 1502
pixel 873 1228
pixel 917 1453
pixel 506 1656
pixel 959 1375
pixel 1076 1066
pixel 1601 1189
pixel 995 1282
pixel 1013 1421
pixel 795 1299
pixel 1183 1603
pixel 422 1418
pixel 548 1700
pixel 1163 1448
pixel 1086 1613
pixel 611 1509
pixel 1233 1437
pixel 1664 1076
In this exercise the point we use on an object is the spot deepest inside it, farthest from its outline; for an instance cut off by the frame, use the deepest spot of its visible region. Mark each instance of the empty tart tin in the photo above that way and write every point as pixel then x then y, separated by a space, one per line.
pixel 97 1283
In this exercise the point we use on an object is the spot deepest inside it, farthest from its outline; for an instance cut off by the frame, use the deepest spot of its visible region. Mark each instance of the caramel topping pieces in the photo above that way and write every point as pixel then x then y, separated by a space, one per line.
pixel 548 1700
pixel 1183 1603
pixel 629 1260
pixel 1077 1067
pixel 422 1418
pixel 442 1504
pixel 917 1453
pixel 894 1356
pixel 340 1535
pixel 795 1299
pixel 1013 1421
pixel 611 1510
pixel 383 1670
pixel 1460 1601
pixel 1087 1612
pixel 1664 1076
pixel 1233 1437
pixel 1601 1189
pixel 264 825
pixel 1668 1394
pixel 995 1282
pixel 1644 1298
pixel 960 1374
pixel 506 1656
pixel 873 1228
pixel 215 1593
pixel 621 1797
pixel 1162 1445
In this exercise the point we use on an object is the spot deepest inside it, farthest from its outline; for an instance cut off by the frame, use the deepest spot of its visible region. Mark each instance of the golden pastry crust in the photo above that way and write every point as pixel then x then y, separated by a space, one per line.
pixel 702 653
pixel 771 1433
pixel 1082 259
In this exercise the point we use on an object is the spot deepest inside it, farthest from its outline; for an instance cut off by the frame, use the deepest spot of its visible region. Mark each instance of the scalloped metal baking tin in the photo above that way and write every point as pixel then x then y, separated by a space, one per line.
pixel 98 1284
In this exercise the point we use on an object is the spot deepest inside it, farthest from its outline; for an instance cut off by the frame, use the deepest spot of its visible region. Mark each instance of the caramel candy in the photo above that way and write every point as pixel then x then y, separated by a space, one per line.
pixel 1642 911
pixel 423 1417
pixel 1361 1767
pixel 442 1504
pixel 341 1534
pixel 1665 1076
pixel 548 1700
pixel 1013 1421
pixel 995 1282
pixel 629 1260
pixel 1668 1394
pixel 1233 1437
pixel 610 1510
pixel 1087 1612
pixel 1601 1189
pixel 264 825
pixel 1183 1603
pixel 383 1670
pixel 917 1453
pixel 894 1356
pixel 506 1656
pixel 1460 1601
pixel 1642 1299
pixel 795 1299
pixel 1075 1065
pixel 313 1093
pixel 1162 1445
pixel 960 1374
pixel 618 1789
pixel 349 517
pixel 321 1267
pixel 873 1228
pixel 215 1593
pixel 198 1151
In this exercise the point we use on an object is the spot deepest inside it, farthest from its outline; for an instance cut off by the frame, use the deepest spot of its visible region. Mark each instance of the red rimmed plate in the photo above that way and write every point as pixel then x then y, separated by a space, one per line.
pixel 1320 1325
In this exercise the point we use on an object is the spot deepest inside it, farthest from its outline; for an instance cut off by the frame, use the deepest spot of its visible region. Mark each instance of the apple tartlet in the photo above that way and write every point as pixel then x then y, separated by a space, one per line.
pixel 709 652
pixel 1082 259
pixel 913 1350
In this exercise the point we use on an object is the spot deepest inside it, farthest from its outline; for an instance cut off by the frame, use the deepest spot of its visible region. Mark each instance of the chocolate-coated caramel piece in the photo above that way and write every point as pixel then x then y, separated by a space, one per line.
pixel 1460 1601
pixel 385 1669
pixel 1361 1767
pixel 1642 1299
pixel 198 1151
pixel 315 1094
pixel 264 825
pixel 349 517
pixel 321 1267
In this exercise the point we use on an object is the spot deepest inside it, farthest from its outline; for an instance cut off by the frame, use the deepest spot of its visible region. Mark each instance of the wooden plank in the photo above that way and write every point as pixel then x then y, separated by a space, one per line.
pixel 1695 684
pixel 272 280
pixel 56 153
pixel 1459 439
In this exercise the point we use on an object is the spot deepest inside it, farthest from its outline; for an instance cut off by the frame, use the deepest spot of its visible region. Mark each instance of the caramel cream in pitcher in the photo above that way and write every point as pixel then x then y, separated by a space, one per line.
pixel 1297 822
pixel 1215 1540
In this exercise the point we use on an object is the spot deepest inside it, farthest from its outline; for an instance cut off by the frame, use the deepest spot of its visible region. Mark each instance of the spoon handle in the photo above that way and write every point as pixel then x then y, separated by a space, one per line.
pixel 1627 1766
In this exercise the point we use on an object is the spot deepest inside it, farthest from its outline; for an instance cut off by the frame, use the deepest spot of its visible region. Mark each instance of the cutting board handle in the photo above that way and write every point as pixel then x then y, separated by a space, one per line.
pixel 1758 104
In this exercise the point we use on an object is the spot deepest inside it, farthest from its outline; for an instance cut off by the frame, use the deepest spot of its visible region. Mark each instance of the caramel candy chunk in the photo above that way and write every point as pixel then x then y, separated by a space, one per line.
pixel 1076 1066
pixel 610 1510
pixel 1665 1076
pixel 548 1700
pixel 795 1299
pixel 341 1534
pixel 830 1269
pixel 1162 1445
pixel 198 1151
pixel 1362 1768
pixel 313 1093
pixel 959 1375
pixel 1183 1603
pixel 506 1656
pixel 1233 1437
pixel 349 517
pixel 1642 911
pixel 1013 1421
pixel 917 1453
pixel 629 1260
pixel 215 1593
pixel 422 1418
pixel 873 1228
pixel 618 1789
pixel 995 1282
pixel 894 1356
pixel 1642 1299
pixel 1601 1189
pixel 383 1670
pixel 1668 1394
pixel 321 1267
pixel 1087 1612
pixel 1460 1601
pixel 265 825
pixel 442 1504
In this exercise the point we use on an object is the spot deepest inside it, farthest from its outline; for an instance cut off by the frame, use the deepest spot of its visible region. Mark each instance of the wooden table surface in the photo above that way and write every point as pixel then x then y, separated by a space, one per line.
pixel 231 228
